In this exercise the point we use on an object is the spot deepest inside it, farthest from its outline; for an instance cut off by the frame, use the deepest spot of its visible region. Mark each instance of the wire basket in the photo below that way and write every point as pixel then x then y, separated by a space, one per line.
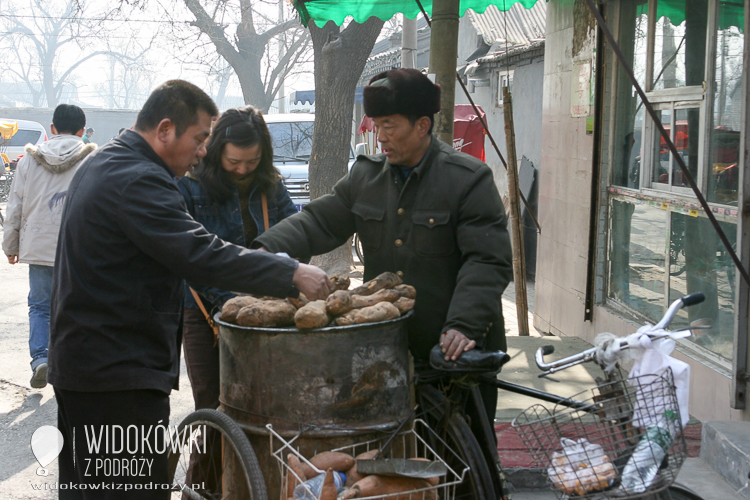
pixel 613 445
pixel 412 443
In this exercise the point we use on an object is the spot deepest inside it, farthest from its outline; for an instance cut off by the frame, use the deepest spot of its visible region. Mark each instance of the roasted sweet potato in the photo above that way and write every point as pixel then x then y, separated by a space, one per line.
pixel 341 281
pixel 328 490
pixel 385 280
pixel 233 306
pixel 291 481
pixel 312 315
pixel 339 302
pixel 404 305
pixel 407 291
pixel 375 485
pixel 300 301
pixel 381 311
pixel 339 462
pixel 267 314
pixel 384 295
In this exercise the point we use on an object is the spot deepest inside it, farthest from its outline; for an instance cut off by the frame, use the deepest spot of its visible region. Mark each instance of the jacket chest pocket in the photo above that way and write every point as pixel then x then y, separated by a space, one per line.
pixel 369 225
pixel 432 233
pixel 208 215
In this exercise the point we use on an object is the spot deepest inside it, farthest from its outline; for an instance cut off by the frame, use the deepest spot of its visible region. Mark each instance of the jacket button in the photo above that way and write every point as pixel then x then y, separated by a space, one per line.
pixel 401 211
pixel 399 243
pixel 432 221
pixel 400 274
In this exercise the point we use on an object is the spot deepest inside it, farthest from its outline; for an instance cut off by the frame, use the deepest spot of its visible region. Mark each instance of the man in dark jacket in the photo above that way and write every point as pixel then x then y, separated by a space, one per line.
pixel 126 243
pixel 423 210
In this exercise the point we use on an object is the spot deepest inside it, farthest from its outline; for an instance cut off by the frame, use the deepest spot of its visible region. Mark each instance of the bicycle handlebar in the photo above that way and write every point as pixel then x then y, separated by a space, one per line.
pixel 590 354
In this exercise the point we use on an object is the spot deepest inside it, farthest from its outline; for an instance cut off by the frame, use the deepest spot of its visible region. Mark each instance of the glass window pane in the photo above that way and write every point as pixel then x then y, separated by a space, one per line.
pixel 684 133
pixel 685 138
pixel 660 153
pixel 727 105
pixel 21 138
pixel 705 267
pixel 291 140
pixel 679 43
pixel 637 274
pixel 629 112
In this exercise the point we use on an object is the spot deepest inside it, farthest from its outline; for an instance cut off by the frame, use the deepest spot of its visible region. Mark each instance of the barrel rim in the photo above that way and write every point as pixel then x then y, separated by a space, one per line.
pixel 327 329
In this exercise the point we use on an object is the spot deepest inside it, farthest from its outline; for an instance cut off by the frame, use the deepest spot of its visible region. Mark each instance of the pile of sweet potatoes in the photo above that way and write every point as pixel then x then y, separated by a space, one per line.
pixel 380 299
pixel 358 486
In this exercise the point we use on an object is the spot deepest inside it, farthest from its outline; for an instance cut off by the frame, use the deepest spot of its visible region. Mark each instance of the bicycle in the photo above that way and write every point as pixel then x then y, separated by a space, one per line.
pixel 200 479
pixel 449 397
pixel 458 429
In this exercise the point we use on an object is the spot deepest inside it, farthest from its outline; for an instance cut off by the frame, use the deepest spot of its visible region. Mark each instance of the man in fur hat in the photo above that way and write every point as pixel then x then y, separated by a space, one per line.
pixel 33 219
pixel 429 213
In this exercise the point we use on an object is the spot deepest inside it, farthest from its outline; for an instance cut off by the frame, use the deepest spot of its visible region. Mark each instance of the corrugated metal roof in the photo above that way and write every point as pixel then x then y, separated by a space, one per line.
pixel 516 26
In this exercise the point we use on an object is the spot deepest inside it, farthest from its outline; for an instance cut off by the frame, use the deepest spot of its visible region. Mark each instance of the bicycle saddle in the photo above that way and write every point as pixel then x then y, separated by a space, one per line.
pixel 474 361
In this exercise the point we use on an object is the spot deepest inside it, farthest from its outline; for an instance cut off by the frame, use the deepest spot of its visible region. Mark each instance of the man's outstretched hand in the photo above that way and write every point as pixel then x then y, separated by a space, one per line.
pixel 453 343
pixel 312 281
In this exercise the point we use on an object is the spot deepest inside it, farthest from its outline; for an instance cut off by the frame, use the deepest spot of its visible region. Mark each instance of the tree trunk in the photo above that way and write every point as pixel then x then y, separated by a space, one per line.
pixel 340 57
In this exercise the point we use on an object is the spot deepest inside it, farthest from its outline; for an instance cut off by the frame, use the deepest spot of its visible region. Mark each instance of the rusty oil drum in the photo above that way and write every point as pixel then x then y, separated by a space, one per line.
pixel 336 386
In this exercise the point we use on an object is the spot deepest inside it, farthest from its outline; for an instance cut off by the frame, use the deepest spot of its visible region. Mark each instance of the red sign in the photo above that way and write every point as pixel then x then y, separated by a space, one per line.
pixel 468 132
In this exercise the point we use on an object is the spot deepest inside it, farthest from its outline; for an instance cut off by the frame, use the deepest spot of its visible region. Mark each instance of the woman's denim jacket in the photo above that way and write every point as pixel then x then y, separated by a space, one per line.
pixel 225 221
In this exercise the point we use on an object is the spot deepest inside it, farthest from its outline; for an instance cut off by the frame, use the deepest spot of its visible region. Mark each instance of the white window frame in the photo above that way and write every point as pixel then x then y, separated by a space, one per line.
pixel 679 98
pixel 652 137
pixel 503 77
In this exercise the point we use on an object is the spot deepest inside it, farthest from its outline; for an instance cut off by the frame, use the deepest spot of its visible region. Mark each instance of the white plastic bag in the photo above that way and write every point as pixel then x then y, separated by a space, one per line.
pixel 581 467
pixel 653 358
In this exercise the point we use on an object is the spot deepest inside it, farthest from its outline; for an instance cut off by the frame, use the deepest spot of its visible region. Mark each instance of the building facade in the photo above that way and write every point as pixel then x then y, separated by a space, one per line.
pixel 623 234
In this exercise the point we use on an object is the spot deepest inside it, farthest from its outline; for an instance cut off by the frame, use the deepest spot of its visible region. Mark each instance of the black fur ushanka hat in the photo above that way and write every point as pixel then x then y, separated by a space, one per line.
pixel 401 91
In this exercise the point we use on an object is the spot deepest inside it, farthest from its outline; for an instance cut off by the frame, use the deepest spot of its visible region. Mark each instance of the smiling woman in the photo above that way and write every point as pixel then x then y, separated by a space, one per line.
pixel 239 161
pixel 236 193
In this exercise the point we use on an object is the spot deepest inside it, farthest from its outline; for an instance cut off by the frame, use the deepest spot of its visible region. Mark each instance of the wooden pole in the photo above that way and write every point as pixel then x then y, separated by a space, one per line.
pixel 443 56
pixel 519 264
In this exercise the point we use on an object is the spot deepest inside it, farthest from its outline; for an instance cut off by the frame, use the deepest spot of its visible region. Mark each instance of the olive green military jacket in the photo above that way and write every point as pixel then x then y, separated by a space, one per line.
pixel 444 231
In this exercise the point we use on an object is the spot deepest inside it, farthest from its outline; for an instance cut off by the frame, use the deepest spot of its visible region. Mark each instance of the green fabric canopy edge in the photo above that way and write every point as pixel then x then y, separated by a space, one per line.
pixel 731 13
pixel 322 11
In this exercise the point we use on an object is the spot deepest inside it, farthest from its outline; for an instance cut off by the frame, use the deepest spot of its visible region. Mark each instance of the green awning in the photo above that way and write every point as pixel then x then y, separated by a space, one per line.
pixel 322 11
pixel 731 12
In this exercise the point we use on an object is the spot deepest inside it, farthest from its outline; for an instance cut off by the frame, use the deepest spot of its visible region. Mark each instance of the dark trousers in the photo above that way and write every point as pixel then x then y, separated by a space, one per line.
pixel 201 359
pixel 138 471
pixel 202 362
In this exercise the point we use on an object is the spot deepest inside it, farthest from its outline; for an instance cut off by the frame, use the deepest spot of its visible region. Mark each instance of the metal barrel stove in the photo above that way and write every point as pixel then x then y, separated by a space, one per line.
pixel 334 386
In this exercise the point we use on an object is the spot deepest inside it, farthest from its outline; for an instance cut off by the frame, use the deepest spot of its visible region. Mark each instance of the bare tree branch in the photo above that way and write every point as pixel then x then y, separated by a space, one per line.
pixel 242 35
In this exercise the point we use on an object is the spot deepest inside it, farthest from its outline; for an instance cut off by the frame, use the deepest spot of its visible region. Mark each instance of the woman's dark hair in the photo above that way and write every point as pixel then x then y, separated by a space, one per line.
pixel 244 128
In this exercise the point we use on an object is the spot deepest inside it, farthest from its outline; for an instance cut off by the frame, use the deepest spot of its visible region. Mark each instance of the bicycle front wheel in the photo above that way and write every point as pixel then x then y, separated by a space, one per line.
pixel 358 249
pixel 677 492
pixel 213 459
pixel 455 431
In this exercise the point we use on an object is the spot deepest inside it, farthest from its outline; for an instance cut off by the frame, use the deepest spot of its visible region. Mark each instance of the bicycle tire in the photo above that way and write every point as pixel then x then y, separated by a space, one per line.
pixel 358 249
pixel 455 431
pixel 234 444
pixel 678 492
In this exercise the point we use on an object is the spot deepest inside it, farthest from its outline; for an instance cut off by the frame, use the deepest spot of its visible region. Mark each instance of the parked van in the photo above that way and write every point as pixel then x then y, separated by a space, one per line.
pixel 28 133
pixel 291 137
